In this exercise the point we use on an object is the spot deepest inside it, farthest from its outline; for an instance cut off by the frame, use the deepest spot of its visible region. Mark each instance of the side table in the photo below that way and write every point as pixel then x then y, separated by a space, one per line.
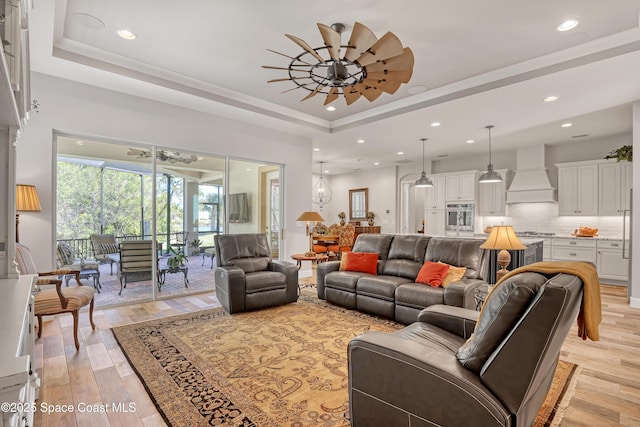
pixel 163 271
pixel 302 257
pixel 479 295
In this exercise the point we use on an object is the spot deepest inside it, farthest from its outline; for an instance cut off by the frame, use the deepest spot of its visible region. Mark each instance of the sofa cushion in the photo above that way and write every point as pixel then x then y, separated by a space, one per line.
pixel 231 247
pixel 261 281
pixel 418 296
pixel 432 273
pixel 361 262
pixel 379 286
pixel 459 252
pixel 502 309
pixel 250 265
pixel 378 243
pixel 343 280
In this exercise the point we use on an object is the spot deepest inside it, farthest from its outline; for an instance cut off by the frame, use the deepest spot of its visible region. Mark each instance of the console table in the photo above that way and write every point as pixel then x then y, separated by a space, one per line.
pixel 371 229
pixel 19 382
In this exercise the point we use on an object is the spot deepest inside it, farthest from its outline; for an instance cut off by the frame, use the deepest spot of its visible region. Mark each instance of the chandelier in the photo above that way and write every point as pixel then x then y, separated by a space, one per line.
pixel 321 193
pixel 163 156
pixel 367 67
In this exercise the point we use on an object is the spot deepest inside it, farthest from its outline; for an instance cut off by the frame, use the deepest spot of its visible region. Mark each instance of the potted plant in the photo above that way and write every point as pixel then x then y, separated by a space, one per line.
pixel 623 153
pixel 176 260
pixel 195 245
pixel 370 217
pixel 342 216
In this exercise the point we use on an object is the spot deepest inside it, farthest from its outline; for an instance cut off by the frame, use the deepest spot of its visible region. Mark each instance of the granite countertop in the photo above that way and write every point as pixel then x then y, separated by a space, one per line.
pixel 588 238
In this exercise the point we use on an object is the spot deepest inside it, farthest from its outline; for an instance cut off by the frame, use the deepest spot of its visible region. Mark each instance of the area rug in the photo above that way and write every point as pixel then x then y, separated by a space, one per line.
pixel 284 366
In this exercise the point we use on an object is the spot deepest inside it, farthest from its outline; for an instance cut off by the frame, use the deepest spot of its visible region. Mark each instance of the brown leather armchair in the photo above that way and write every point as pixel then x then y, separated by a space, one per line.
pixel 247 278
pixel 429 374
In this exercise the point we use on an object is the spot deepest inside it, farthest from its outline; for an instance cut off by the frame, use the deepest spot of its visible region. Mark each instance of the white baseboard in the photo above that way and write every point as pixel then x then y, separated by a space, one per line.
pixel 634 302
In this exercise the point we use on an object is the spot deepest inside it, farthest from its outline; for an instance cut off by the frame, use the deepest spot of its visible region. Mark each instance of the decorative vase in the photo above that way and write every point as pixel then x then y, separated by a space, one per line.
pixel 342 222
pixel 371 222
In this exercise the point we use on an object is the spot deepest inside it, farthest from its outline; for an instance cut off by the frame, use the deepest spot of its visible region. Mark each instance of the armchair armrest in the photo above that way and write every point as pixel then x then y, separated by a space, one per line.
pixel 321 271
pixel 461 293
pixel 290 270
pixel 230 288
pixel 457 320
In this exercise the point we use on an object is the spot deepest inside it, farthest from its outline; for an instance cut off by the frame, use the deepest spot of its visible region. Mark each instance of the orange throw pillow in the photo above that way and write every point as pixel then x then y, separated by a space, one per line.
pixel 364 262
pixel 453 275
pixel 432 273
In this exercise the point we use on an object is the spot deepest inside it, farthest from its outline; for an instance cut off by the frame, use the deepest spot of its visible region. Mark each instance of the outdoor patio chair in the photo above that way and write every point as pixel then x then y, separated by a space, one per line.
pixel 59 300
pixel 66 259
pixel 105 249
pixel 136 262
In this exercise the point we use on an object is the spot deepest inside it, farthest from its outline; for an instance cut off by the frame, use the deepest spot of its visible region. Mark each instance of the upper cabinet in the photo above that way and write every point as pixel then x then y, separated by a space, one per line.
pixel 460 187
pixel 435 196
pixel 578 189
pixel 492 196
pixel 614 185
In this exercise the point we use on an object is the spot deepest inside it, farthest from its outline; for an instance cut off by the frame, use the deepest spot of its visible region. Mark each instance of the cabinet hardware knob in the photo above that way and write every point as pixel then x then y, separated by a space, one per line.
pixel 573 254
pixel 615 245
pixel 572 243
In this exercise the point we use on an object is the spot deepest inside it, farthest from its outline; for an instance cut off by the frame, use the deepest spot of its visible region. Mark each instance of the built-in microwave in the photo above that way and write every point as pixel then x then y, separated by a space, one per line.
pixel 460 216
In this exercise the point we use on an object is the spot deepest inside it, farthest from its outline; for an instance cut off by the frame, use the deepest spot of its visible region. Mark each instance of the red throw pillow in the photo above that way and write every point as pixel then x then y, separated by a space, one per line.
pixel 432 273
pixel 365 262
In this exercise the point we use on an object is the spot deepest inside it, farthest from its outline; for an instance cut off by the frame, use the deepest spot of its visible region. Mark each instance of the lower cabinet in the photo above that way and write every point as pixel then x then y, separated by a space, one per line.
pixel 573 250
pixel 611 264
pixel 434 222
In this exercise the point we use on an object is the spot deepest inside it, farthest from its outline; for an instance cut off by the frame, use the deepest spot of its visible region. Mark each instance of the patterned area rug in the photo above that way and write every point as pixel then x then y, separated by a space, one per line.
pixel 285 366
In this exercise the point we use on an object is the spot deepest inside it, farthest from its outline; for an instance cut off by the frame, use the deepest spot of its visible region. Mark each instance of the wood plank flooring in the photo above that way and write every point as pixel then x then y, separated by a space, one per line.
pixel 607 391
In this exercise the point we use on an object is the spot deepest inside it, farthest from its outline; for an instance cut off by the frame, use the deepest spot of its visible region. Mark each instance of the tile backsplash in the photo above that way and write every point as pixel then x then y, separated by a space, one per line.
pixel 543 217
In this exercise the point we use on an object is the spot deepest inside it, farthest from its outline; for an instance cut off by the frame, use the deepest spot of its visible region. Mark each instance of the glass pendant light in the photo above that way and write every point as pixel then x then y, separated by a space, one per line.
pixel 424 180
pixel 321 193
pixel 490 175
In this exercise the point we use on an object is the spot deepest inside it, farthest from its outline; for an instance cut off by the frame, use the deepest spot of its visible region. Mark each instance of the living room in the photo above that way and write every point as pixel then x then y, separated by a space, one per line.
pixel 79 94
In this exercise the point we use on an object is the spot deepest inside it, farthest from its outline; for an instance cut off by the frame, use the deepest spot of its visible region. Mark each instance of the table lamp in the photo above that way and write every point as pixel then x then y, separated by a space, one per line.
pixel 503 237
pixel 310 216
pixel 26 201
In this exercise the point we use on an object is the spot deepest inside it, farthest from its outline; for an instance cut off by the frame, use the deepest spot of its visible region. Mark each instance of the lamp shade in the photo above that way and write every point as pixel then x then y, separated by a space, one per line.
pixel 490 176
pixel 503 237
pixel 310 216
pixel 27 198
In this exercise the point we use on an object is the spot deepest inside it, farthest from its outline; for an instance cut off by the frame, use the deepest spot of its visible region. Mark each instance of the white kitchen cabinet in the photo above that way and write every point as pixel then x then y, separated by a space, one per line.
pixel 546 249
pixel 460 187
pixel 570 249
pixel 492 196
pixel 610 263
pixel 435 196
pixel 434 222
pixel 614 185
pixel 578 189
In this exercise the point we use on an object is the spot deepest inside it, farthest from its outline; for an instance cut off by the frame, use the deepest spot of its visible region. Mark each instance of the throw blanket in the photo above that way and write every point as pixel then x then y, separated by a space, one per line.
pixel 590 313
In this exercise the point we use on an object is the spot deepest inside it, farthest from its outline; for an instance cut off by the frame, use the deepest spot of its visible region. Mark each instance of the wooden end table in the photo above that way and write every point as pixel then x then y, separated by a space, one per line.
pixel 302 257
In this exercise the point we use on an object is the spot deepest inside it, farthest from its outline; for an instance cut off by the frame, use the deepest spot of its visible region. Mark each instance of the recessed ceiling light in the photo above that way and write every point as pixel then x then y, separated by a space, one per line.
pixel 400 152
pixel 470 141
pixel 316 149
pixel 200 158
pixel 248 169
pixel 331 108
pixel 567 25
pixel 376 163
pixel 326 171
pixel 566 125
pixel 360 141
pixel 434 124
pixel 79 142
pixel 551 98
pixel 416 89
pixel 126 34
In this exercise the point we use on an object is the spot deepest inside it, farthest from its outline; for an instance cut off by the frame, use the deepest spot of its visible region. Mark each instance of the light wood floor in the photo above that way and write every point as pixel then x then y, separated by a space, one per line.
pixel 607 392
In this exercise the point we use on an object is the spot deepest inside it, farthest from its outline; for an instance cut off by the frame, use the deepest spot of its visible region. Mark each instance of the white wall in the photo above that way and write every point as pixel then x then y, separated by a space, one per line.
pixel 87 111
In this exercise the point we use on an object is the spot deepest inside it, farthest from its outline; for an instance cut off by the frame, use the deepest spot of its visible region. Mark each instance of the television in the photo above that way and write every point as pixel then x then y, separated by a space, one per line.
pixel 238 207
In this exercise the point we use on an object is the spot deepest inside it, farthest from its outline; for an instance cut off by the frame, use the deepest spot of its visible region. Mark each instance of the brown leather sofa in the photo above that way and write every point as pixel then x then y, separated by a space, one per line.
pixel 429 374
pixel 247 278
pixel 393 293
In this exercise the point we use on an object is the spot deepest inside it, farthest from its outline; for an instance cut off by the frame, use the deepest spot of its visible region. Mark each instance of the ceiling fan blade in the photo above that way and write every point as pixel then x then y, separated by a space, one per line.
pixel 287 79
pixel 312 94
pixel 332 96
pixel 402 62
pixel 351 95
pixel 388 46
pixel 332 40
pixel 290 57
pixel 362 38
pixel 386 85
pixel 400 76
pixel 306 47
pixel 297 87
pixel 369 92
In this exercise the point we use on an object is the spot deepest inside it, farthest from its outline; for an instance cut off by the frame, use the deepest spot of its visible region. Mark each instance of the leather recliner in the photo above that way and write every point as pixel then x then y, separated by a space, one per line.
pixel 247 278
pixel 429 373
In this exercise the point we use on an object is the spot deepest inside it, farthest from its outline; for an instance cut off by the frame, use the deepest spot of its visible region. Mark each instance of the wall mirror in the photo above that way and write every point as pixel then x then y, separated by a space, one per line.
pixel 358 203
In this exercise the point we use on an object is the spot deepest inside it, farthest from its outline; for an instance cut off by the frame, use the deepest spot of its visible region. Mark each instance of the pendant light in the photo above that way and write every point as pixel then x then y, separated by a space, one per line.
pixel 490 175
pixel 321 193
pixel 424 180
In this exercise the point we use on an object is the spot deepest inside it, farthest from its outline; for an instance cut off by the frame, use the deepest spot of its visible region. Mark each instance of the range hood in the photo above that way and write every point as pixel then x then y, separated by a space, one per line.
pixel 531 182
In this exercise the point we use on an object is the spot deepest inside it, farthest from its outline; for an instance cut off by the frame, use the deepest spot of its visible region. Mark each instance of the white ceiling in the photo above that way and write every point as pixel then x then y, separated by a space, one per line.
pixel 483 62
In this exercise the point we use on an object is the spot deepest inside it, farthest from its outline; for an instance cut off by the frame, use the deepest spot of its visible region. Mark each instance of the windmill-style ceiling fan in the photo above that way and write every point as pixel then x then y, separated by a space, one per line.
pixel 368 67
pixel 163 156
